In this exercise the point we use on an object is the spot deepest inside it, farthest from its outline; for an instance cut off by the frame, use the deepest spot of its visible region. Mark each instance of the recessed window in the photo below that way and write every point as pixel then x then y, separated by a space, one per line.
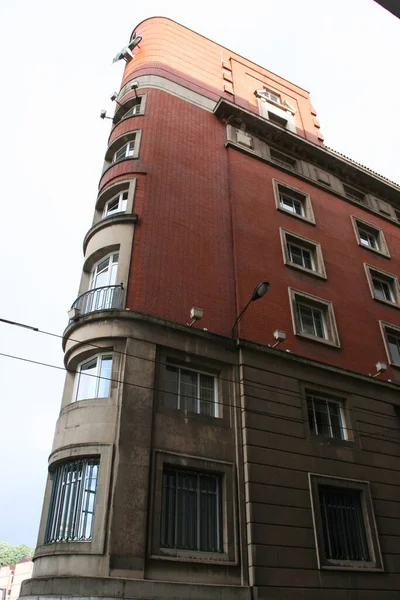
pixel 126 151
pixel 190 390
pixel 384 286
pixel 93 378
pixel 313 317
pixel 133 110
pixel 72 502
pixel 391 336
pixel 191 512
pixel 325 416
pixel 283 160
pixel 117 204
pixel 293 202
pixel 302 253
pixel 277 119
pixel 354 194
pixel 273 96
pixel 370 237
pixel 344 524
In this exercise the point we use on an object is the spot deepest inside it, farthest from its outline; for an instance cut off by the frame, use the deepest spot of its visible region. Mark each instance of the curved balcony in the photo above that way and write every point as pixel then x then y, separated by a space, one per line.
pixel 108 297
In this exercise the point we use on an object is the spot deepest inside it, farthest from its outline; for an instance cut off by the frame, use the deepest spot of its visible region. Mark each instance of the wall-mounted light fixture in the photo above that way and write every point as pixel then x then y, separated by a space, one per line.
pixel 103 115
pixel 280 337
pixel 381 367
pixel 259 291
pixel 126 53
pixel 114 97
pixel 196 314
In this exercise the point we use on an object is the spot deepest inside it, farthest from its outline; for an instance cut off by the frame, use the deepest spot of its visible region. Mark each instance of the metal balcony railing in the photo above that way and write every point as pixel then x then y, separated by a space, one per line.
pixel 107 297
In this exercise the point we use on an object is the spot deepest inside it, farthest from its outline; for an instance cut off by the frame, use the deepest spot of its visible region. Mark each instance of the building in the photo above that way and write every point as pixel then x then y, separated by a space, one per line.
pixel 390 5
pixel 12 576
pixel 194 459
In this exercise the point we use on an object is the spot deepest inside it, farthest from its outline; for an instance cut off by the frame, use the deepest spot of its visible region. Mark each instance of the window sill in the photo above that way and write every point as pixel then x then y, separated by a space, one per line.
pixel 208 420
pixel 305 270
pixel 64 548
pixel 379 252
pixel 314 338
pixel 387 302
pixel 296 216
pixel 332 441
pixel 352 566
pixel 216 558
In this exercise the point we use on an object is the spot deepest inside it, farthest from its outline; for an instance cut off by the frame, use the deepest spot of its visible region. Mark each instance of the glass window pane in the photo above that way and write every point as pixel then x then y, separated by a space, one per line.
pixel 188 391
pixel 394 347
pixel 306 319
pixel 318 323
pixel 171 399
pixel 207 395
pixel 87 381
pixel 104 382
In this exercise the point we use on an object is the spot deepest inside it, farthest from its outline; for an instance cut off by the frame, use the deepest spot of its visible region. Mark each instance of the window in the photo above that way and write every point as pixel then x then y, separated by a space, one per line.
pixel 391 337
pixel 133 110
pixel 354 194
pixel 302 253
pixel 72 502
pixel 344 524
pixel 102 279
pixel 127 151
pixel 93 378
pixel 313 318
pixel 293 202
pixel 370 237
pixel 277 119
pixel 283 160
pixel 190 390
pixel 117 204
pixel 325 416
pixel 191 512
pixel 383 286
pixel 274 97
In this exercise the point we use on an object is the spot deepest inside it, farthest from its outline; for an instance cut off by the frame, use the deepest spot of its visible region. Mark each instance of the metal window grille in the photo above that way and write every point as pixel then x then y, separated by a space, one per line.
pixel 311 320
pixel 191 514
pixel 382 290
pixel 343 524
pixel 283 160
pixel 325 417
pixel 300 256
pixel 394 347
pixel 72 502
pixel 191 391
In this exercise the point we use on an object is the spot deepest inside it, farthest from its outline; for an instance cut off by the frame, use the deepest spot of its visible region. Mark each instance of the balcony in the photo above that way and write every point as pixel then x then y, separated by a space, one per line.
pixel 108 297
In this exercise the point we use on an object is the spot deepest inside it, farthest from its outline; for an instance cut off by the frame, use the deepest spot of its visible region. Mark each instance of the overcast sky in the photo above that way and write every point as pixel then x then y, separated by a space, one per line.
pixel 56 76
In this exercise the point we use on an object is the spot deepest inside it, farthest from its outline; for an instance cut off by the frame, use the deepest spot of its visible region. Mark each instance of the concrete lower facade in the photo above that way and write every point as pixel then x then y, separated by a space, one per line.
pixel 258 443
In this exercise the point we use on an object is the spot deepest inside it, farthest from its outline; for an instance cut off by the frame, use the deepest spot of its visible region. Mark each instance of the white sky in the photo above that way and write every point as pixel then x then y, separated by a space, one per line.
pixel 56 75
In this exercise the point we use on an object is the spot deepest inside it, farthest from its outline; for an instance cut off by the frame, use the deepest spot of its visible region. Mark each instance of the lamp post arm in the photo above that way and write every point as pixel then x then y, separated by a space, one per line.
pixel 239 318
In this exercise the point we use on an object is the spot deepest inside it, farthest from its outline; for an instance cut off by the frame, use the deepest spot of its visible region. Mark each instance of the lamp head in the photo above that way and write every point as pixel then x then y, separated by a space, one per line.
pixel 381 367
pixel 134 85
pixel 260 290
pixel 114 96
pixel 103 114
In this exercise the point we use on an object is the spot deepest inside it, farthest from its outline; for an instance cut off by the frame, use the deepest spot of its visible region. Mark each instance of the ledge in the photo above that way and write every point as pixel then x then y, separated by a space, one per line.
pixel 118 219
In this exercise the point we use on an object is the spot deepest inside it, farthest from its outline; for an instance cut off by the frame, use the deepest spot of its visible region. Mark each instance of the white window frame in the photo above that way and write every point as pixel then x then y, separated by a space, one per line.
pixel 289 237
pixel 297 195
pixel 315 395
pixel 386 278
pixel 325 307
pixel 198 372
pixel 122 203
pixel 99 357
pixel 93 273
pixel 129 148
pixel 390 329
pixel 374 232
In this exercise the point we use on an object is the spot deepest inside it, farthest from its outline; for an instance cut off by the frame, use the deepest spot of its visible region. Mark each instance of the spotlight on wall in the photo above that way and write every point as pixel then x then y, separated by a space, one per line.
pixel 114 97
pixel 280 337
pixel 196 314
pixel 135 86
pixel 259 291
pixel 103 115
pixel 381 367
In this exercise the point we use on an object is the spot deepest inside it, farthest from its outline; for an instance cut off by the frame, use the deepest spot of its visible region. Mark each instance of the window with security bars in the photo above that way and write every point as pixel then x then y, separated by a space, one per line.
pixel 325 417
pixel 191 512
pixel 190 390
pixel 72 502
pixel 343 524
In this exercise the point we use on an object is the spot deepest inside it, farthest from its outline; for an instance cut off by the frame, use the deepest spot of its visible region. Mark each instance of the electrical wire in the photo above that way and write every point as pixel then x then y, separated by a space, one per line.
pixel 256 385
pixel 153 389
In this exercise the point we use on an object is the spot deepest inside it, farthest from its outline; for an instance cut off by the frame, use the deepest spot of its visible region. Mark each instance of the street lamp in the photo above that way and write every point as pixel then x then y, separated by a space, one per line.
pixel 259 291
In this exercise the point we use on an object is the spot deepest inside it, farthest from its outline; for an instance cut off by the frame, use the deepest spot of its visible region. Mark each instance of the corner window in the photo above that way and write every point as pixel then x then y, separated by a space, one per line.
pixel 190 390
pixel 302 253
pixel 384 286
pixel 93 378
pixel 293 202
pixel 117 204
pixel 72 502
pixel 344 524
pixel 126 151
pixel 313 318
pixel 370 237
pixel 325 416
pixel 191 511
